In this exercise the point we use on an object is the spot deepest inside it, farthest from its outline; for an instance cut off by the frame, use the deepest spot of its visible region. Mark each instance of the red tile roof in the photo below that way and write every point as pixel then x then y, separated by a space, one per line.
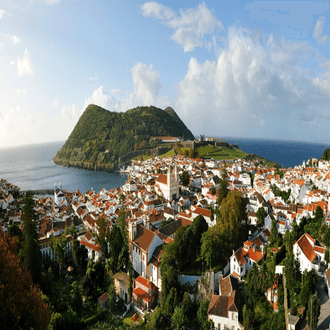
pixel 141 294
pixel 144 237
pixel 89 245
pixel 306 248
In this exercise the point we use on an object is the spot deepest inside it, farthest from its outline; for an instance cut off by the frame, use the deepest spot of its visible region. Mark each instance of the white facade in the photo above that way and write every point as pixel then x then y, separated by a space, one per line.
pixel 226 323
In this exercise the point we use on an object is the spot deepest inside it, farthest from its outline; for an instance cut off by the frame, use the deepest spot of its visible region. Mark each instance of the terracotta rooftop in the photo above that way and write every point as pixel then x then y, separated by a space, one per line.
pixel 144 237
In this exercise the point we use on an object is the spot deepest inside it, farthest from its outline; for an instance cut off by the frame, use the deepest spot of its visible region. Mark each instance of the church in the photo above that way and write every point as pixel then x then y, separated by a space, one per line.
pixel 168 184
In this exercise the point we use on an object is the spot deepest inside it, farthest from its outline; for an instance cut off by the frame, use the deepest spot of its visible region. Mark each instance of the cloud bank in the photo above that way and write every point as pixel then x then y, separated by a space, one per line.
pixel 190 26
pixel 24 65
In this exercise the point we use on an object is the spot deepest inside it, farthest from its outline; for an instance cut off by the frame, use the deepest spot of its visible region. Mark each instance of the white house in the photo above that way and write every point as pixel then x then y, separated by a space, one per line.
pixel 309 254
pixel 225 311
pixel 143 243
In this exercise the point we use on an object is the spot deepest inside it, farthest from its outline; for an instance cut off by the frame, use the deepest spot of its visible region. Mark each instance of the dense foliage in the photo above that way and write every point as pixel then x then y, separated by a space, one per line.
pixel 326 154
pixel 21 306
pixel 101 137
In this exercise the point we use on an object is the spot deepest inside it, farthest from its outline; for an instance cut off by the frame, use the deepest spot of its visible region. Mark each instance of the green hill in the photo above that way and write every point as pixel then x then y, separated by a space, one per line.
pixel 102 139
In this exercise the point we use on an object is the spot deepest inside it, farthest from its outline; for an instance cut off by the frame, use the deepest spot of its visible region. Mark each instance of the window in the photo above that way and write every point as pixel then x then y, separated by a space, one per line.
pixel 233 316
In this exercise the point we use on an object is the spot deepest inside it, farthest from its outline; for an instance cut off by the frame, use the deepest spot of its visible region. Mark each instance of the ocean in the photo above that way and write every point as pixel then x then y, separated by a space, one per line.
pixel 31 167
pixel 286 153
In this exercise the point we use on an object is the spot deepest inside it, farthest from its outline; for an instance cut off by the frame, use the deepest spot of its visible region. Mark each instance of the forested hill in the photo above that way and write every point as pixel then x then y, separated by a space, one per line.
pixel 102 139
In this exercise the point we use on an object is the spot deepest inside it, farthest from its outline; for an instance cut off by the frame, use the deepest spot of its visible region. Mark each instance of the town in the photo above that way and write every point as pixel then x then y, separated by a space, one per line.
pixel 186 243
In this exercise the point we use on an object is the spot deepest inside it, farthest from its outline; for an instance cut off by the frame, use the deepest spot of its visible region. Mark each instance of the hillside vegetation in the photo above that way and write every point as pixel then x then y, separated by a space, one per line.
pixel 102 139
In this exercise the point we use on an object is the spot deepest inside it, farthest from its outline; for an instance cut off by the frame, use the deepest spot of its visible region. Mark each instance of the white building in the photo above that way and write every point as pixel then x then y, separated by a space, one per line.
pixel 168 184
pixel 309 254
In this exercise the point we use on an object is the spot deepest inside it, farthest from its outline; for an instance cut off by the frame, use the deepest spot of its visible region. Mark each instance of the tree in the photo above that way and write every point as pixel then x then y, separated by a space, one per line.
pixel 273 232
pixel 168 270
pixel 80 255
pixel 14 230
pixel 185 178
pixel 21 306
pixel 73 230
pixel 58 245
pixel 76 301
pixel 157 320
pixel 313 311
pixel 213 247
pixel 202 319
pixel 326 154
pixel 318 213
pixel 261 215
pixel 172 300
pixel 117 243
pixel 31 249
pixel 103 236
pixel 198 228
pixel 248 316
pixel 233 216
pixel 111 293
pixel 179 319
pixel 292 271
pixel 95 282
pixel 223 189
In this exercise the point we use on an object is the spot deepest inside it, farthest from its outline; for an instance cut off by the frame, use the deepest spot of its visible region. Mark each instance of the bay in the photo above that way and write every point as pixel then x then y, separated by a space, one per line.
pixel 31 168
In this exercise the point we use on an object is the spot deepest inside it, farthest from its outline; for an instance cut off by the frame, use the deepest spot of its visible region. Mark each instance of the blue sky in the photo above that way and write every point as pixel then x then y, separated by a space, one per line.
pixel 240 68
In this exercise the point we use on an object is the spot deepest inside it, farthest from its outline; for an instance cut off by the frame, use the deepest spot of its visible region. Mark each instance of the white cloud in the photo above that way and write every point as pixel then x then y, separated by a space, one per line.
pixel 70 112
pixel 12 63
pixel 190 26
pixel 2 12
pixel 249 91
pixel 20 91
pixel 55 104
pixel 17 109
pixel 146 89
pixel 284 52
pixel 15 39
pixel 321 39
pixel 50 2
pixel 93 78
pixel 100 98
pixel 156 10
pixel 24 65
pixel 116 91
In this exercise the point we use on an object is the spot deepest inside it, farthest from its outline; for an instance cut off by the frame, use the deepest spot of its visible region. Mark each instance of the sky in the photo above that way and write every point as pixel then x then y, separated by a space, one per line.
pixel 254 69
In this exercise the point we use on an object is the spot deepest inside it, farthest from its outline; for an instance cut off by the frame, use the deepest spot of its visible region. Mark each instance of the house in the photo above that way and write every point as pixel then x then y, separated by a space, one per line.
pixel 243 259
pixel 103 300
pixel 145 293
pixel 309 254
pixel 327 280
pixel 121 281
pixel 293 322
pixel 226 311
pixel 206 213
pixel 46 250
pixel 92 249
pixel 142 244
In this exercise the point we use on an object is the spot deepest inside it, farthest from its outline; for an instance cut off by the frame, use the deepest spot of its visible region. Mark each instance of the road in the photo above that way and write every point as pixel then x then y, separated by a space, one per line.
pixel 324 319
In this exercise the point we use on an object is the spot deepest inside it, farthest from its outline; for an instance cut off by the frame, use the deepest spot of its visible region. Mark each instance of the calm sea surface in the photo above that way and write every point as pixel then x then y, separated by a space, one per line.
pixel 286 153
pixel 31 167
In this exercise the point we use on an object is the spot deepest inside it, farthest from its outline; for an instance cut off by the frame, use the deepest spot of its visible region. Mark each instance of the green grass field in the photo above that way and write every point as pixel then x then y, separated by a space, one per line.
pixel 218 153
